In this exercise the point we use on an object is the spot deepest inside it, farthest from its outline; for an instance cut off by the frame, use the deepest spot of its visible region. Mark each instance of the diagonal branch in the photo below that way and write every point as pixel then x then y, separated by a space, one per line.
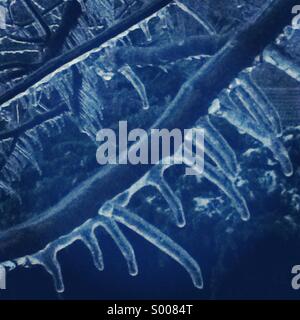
pixel 192 46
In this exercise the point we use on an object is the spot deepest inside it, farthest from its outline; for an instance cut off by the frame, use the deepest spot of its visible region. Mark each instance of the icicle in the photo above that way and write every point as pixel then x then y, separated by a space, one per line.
pixel 227 109
pixel 163 17
pixel 281 155
pixel 227 186
pixel 217 148
pixel 216 157
pixel 89 239
pixel 267 107
pixel 17 113
pixel 82 5
pixel 160 240
pixel 219 179
pixel 283 63
pixel 125 247
pixel 145 28
pixel 208 28
pixel 156 179
pixel 48 259
pixel 138 85
pixel 243 100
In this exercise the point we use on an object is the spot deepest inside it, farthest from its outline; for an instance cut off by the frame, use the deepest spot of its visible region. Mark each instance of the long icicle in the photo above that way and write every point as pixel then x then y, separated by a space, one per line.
pixel 217 148
pixel 208 28
pixel 225 184
pixel 267 107
pixel 136 82
pixel 225 107
pixel 156 179
pixel 125 247
pixel 161 241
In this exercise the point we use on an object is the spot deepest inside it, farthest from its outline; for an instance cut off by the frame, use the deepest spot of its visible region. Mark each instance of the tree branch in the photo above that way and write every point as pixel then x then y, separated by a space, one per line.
pixel 192 46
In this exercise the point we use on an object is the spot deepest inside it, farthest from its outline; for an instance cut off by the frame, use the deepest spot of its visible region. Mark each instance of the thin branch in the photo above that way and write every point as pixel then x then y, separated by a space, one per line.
pixel 191 46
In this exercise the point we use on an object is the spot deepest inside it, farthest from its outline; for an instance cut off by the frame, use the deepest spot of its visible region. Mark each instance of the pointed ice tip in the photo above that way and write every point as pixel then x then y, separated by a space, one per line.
pixel 245 217
pixel 133 269
pixel 289 171
pixel 286 165
pixel 199 285
pixel 60 288
pixel 244 211
pixel 181 224
pixel 282 156
pixel 180 220
pixel 198 280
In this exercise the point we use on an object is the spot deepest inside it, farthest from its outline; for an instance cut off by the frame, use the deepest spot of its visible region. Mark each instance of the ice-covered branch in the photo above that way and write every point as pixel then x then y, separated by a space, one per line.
pixel 192 46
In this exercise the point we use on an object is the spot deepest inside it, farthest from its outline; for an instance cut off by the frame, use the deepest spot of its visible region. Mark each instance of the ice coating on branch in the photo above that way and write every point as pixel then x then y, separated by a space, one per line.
pixel 109 215
pixel 47 257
